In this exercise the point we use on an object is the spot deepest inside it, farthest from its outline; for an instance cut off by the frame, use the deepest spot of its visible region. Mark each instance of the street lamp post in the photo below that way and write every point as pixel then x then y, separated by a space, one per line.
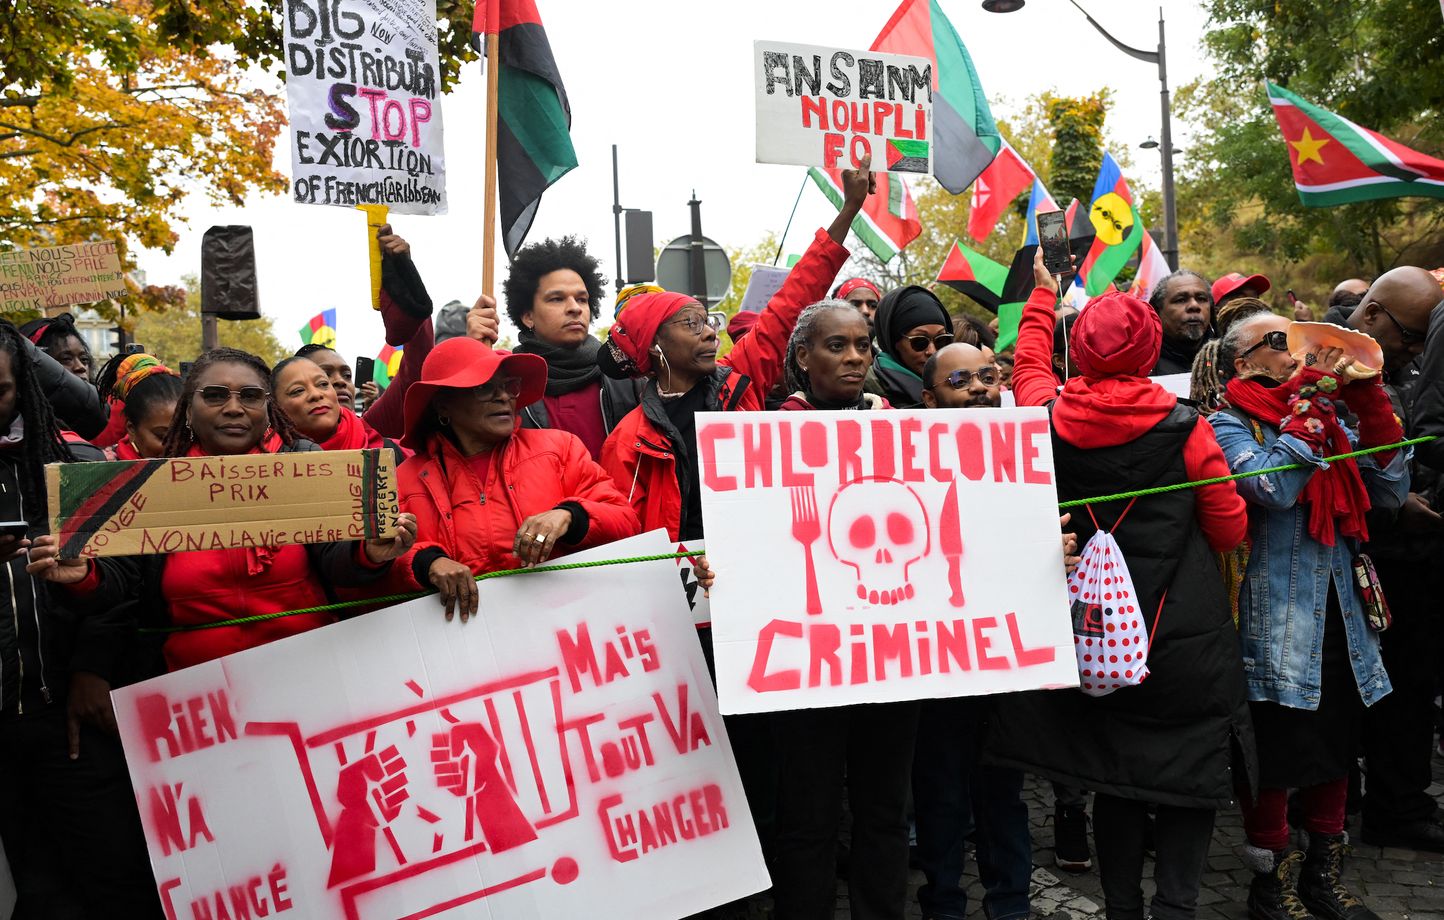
pixel 1159 57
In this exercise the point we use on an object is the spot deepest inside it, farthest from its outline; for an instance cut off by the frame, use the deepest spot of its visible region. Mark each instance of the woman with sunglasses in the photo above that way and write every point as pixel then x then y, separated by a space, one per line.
pixel 225 409
pixel 911 325
pixel 304 392
pixel 1311 659
pixel 487 493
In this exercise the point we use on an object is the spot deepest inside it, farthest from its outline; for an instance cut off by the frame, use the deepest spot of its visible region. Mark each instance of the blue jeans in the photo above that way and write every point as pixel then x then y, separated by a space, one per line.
pixel 954 795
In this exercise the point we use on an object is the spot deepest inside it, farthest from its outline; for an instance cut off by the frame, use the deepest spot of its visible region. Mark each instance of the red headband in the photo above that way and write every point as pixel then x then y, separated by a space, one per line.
pixel 852 284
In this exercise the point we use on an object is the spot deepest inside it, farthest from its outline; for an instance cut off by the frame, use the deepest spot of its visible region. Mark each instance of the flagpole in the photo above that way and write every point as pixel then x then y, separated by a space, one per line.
pixel 782 240
pixel 488 225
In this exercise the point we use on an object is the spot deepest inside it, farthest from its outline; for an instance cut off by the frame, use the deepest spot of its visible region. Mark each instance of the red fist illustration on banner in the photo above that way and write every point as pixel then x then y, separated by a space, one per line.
pixel 465 764
pixel 371 792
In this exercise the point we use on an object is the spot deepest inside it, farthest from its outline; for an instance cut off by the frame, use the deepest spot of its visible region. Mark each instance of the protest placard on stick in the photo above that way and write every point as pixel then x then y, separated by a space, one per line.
pixel 820 106
pixel 561 755
pixel 140 507
pixel 49 277
pixel 867 557
pixel 363 92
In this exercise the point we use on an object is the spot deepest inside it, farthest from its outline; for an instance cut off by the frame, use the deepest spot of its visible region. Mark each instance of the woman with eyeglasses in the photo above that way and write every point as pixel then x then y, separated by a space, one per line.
pixel 304 392
pixel 487 493
pixel 1310 655
pixel 225 409
pixel 911 325
pixel 670 341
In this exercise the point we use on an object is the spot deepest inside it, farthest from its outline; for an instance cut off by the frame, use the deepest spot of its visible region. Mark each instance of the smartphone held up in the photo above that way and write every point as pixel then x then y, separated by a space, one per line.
pixel 1053 238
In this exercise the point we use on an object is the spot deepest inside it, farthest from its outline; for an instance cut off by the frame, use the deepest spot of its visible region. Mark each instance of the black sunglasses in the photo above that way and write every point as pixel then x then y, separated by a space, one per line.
pixel 921 342
pixel 987 376
pixel 1278 341
pixel 250 397
pixel 1406 335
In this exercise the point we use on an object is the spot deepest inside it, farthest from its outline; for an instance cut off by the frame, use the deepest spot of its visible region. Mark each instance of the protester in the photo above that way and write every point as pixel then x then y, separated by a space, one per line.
pixel 1407 547
pixel 58 338
pixel 953 791
pixel 67 386
pixel 1344 297
pixel 225 409
pixel 1236 284
pixel 487 493
pixel 863 295
pixel 144 392
pixel 1004 360
pixel 827 360
pixel 1311 658
pixel 911 325
pixel 668 339
pixel 1165 745
pixel 1205 385
pixel 303 391
pixel 1185 307
pixel 553 294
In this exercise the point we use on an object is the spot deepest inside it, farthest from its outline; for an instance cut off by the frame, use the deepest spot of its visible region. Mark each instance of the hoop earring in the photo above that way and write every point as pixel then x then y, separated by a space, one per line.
pixel 443 420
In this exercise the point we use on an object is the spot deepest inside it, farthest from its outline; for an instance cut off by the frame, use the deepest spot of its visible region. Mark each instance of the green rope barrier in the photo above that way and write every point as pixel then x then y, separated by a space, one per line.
pixel 564 566
pixel 1158 490
pixel 394 598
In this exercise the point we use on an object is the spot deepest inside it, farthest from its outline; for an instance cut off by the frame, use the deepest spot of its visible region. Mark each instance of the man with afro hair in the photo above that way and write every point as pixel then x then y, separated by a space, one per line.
pixel 553 294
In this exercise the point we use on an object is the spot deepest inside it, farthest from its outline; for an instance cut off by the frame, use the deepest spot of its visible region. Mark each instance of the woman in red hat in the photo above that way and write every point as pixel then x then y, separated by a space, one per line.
pixel 670 340
pixel 487 493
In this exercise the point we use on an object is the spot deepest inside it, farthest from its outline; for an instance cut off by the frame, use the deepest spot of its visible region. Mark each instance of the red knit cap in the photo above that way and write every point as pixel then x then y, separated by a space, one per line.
pixel 636 329
pixel 1116 335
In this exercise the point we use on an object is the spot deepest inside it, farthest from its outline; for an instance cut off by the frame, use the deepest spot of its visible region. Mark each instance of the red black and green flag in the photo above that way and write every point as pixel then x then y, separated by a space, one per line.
pixel 1337 162
pixel 969 272
pixel 534 119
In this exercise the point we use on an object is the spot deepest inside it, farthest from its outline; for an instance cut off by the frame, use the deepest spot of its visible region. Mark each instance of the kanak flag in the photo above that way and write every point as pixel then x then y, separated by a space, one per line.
pixel 1115 221
pixel 388 365
pixel 1337 162
pixel 888 220
pixel 1004 179
pixel 320 329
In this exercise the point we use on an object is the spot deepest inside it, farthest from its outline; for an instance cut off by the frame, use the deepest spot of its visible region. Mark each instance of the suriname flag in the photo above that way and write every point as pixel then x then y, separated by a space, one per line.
pixel 1338 162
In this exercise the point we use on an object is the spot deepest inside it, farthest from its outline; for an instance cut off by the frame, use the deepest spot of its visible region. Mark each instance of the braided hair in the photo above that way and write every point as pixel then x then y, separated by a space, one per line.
pixel 802 333
pixel 141 398
pixel 43 442
pixel 179 439
pixel 1205 383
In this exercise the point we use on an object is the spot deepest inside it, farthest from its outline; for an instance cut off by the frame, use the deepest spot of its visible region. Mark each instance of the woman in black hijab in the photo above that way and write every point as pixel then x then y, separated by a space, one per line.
pixel 911 324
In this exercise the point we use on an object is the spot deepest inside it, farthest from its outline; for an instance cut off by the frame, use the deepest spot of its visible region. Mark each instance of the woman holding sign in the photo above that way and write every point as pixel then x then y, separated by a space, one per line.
pixel 225 409
pixel 487 493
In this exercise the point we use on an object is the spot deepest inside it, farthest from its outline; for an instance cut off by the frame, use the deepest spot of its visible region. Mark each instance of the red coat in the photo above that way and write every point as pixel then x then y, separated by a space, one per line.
pixel 639 456
pixel 475 523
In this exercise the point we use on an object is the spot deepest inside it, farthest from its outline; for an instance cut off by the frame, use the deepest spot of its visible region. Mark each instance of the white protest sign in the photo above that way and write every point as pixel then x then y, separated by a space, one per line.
pixel 1180 385
pixel 49 277
pixel 762 286
pixel 867 557
pixel 363 91
pixel 820 106
pixel 559 756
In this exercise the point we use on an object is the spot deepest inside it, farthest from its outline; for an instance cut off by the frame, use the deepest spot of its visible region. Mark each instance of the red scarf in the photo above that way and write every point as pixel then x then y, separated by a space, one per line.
pixel 1335 496
pixel 352 433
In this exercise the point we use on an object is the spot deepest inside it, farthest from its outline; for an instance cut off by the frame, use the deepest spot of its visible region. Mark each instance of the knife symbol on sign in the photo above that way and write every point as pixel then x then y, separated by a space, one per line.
pixel 950 540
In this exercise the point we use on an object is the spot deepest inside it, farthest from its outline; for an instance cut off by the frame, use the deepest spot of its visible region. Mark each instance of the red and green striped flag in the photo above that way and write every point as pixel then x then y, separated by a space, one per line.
pixel 965 139
pixel 969 272
pixel 388 365
pixel 888 220
pixel 1338 162
pixel 320 329
pixel 533 140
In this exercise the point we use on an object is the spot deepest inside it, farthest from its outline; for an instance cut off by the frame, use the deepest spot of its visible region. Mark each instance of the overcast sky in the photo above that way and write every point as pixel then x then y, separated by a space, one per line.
pixel 670 84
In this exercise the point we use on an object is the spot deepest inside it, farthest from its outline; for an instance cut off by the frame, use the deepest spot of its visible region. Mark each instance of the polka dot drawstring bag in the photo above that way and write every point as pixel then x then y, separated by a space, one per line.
pixel 1109 634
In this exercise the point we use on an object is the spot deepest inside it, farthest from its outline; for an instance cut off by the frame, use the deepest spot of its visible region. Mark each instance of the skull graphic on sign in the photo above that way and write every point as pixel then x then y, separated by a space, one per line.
pixel 879 528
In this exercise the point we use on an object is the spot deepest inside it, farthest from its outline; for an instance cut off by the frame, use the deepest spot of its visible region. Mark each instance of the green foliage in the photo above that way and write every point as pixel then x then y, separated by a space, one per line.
pixel 175 335
pixel 1077 127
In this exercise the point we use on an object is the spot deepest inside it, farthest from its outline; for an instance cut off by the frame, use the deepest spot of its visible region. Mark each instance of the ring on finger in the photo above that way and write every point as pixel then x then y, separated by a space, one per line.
pixel 1311 360
pixel 541 538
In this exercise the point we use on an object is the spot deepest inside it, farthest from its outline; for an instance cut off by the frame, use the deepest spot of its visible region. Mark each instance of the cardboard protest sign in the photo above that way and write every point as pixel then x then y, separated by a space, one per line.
pixel 828 107
pixel 140 507
pixel 55 276
pixel 559 756
pixel 878 556
pixel 363 91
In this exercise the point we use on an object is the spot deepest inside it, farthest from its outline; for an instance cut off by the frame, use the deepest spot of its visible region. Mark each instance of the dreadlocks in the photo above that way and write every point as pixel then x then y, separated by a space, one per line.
pixel 179 440
pixel 42 442
pixel 802 333
pixel 1206 384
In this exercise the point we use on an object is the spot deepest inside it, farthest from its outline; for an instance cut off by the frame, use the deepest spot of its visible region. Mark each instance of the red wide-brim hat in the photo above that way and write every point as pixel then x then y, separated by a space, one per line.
pixel 462 363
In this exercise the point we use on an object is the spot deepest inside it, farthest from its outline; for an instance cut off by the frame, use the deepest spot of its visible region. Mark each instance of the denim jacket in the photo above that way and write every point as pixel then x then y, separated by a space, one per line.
pixel 1286 586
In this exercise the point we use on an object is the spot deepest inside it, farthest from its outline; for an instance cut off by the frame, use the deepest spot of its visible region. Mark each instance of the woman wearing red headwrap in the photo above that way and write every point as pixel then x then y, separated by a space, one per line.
pixel 142 394
pixel 1165 745
pixel 861 293
pixel 671 341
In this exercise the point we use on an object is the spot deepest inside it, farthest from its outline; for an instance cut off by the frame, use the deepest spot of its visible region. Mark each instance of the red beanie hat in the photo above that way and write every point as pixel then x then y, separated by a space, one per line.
pixel 1116 335
pixel 636 329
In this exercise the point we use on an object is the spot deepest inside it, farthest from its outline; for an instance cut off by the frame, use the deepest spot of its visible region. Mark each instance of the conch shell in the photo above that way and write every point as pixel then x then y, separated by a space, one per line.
pixel 1367 358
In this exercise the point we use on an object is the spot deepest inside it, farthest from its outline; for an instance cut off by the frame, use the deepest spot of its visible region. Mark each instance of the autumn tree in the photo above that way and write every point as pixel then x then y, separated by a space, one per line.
pixel 1077 154
pixel 175 334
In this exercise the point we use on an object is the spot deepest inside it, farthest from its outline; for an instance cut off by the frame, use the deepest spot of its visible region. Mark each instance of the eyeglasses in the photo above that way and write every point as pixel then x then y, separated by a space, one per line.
pixel 987 376
pixel 694 323
pixel 1278 341
pixel 250 397
pixel 493 389
pixel 921 342
pixel 1406 335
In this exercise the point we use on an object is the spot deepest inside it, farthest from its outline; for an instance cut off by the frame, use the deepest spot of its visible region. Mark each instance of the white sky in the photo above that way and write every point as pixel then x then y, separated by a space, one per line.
pixel 674 90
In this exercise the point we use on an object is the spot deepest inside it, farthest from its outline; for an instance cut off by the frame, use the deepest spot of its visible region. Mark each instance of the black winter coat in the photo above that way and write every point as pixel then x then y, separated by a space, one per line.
pixel 1426 416
pixel 1172 739
pixel 75 402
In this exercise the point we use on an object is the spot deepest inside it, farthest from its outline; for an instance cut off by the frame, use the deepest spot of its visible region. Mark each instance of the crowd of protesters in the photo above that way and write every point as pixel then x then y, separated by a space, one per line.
pixel 1269 668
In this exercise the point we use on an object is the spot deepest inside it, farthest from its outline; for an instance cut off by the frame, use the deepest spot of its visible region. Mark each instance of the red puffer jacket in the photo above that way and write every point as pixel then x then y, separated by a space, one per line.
pixel 639 455
pixel 475 523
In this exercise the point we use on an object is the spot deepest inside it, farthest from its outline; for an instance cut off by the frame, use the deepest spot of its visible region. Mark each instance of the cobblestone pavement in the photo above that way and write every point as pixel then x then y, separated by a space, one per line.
pixel 1397 884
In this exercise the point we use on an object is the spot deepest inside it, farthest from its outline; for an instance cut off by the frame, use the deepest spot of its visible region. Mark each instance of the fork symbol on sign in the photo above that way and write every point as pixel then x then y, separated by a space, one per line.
pixel 806 529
